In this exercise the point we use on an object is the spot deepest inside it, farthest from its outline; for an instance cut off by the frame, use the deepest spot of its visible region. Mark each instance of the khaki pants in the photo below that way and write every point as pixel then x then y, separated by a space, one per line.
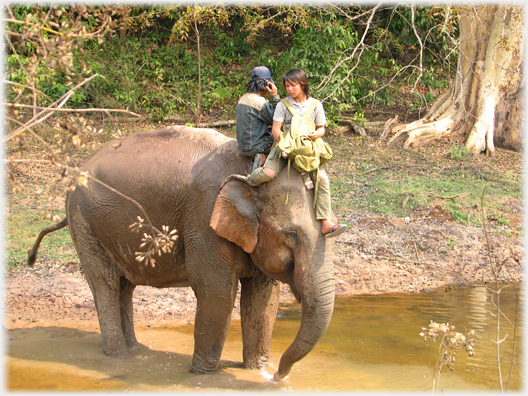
pixel 323 206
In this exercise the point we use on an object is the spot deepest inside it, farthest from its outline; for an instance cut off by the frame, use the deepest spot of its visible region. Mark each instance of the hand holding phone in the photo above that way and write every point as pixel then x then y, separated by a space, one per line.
pixel 272 88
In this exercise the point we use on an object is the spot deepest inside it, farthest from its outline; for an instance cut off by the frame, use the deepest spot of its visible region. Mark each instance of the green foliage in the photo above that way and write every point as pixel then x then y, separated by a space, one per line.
pixel 318 49
pixel 143 76
pixel 459 153
pixel 153 70
pixel 359 118
pixel 231 44
pixel 367 180
pixel 433 78
pixel 51 83
pixel 23 225
pixel 436 28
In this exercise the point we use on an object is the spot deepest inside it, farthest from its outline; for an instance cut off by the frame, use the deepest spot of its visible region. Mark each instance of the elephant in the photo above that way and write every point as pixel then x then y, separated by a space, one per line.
pixel 191 180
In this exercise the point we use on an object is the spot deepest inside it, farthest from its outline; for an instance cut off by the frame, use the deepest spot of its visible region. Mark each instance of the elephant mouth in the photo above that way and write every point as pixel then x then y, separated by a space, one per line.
pixel 291 283
pixel 283 277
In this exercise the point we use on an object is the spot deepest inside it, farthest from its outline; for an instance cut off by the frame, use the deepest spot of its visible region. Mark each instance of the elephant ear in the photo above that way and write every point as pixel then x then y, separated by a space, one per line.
pixel 235 216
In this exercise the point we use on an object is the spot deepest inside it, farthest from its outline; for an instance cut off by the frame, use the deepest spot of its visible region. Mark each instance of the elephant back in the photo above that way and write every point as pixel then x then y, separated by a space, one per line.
pixel 155 157
pixel 171 175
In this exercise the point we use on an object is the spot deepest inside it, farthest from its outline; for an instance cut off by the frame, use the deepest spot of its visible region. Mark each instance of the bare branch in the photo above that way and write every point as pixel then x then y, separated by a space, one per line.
pixel 325 81
pixel 71 110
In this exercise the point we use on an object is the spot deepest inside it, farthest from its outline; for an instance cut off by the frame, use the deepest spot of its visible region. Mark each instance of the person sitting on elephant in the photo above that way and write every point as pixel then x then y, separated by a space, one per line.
pixel 296 85
pixel 254 116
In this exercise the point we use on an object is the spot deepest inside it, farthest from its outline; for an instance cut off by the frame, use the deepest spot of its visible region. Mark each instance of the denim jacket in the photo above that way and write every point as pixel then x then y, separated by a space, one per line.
pixel 254 116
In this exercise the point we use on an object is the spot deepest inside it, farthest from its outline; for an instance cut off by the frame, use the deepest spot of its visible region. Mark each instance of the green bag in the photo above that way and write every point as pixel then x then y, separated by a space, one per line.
pixel 305 154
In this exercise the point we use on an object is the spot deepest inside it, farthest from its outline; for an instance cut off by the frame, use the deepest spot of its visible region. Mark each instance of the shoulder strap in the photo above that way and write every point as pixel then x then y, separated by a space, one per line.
pixel 289 106
pixel 311 108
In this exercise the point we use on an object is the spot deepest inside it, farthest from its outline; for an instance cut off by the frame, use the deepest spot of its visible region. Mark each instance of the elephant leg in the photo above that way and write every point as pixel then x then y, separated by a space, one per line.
pixel 104 280
pixel 106 293
pixel 127 312
pixel 258 309
pixel 215 300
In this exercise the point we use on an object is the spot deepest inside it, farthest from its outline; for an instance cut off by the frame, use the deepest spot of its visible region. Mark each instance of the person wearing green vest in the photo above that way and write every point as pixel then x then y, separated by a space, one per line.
pixel 296 85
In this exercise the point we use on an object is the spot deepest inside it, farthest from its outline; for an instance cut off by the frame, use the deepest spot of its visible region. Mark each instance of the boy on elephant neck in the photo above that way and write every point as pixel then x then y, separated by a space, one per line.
pixel 254 115
pixel 296 85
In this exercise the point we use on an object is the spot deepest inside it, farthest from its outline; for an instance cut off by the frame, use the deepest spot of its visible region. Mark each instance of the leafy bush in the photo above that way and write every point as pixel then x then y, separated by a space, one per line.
pixel 52 83
pixel 320 46
pixel 150 72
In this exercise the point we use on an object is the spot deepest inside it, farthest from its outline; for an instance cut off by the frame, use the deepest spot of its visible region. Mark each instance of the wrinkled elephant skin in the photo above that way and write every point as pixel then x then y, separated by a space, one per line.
pixel 228 232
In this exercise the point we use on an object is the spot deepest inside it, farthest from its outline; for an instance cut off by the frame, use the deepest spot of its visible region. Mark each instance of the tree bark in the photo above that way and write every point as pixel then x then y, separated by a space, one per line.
pixel 199 96
pixel 484 101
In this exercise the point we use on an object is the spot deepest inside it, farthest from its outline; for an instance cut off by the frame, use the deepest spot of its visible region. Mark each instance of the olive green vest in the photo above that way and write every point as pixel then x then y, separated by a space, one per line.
pixel 305 154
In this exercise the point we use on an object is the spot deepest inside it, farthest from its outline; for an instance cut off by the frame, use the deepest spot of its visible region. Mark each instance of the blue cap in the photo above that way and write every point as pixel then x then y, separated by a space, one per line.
pixel 261 73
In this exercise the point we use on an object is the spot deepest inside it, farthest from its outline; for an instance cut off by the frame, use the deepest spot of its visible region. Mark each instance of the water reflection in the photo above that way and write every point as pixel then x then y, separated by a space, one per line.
pixel 372 344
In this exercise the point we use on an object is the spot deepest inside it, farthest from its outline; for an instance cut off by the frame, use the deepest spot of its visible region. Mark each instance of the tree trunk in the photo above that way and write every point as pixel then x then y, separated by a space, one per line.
pixel 199 96
pixel 484 101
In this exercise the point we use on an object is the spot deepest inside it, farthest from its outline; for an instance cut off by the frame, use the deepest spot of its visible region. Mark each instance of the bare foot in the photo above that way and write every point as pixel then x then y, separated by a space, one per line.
pixel 262 159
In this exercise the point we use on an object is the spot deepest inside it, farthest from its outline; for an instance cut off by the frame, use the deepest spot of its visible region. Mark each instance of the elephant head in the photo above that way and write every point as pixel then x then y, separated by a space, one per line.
pixel 286 244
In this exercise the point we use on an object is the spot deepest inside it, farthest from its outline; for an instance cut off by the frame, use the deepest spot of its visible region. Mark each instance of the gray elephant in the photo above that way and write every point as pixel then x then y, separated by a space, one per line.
pixel 228 232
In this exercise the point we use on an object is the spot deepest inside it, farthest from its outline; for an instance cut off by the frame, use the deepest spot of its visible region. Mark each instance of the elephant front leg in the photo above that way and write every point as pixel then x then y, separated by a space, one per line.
pixel 213 313
pixel 259 303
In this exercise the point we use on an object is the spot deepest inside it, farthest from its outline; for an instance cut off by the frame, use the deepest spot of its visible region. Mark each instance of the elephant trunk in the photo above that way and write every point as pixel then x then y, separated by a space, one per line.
pixel 316 285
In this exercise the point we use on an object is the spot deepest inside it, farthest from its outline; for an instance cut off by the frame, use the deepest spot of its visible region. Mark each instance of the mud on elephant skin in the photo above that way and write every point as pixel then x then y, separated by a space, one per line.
pixel 188 179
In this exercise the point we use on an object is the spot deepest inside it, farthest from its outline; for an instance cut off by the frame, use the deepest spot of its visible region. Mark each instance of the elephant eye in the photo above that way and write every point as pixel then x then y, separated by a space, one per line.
pixel 293 234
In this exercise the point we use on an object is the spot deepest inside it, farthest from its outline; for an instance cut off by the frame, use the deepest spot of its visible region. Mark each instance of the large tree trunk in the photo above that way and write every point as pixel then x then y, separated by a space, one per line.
pixel 484 101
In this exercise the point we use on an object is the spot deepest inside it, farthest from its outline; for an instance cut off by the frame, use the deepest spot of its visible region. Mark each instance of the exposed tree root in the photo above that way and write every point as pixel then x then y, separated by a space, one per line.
pixel 352 126
pixel 422 132
pixel 487 84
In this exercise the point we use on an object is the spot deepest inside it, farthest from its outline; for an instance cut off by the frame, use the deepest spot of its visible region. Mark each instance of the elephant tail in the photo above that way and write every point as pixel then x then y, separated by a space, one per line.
pixel 32 254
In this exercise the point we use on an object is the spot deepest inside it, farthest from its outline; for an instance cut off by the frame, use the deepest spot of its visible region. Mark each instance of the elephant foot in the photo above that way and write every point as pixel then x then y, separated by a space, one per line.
pixel 133 344
pixel 201 371
pixel 256 363
pixel 120 354
pixel 201 366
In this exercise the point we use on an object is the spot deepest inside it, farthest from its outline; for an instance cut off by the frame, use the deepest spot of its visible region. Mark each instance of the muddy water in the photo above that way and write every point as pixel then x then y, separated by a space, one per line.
pixel 372 344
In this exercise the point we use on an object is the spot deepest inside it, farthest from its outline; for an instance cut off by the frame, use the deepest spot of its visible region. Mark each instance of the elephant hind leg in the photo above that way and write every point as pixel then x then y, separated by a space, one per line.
pixel 106 293
pixel 127 312
pixel 259 303
pixel 109 292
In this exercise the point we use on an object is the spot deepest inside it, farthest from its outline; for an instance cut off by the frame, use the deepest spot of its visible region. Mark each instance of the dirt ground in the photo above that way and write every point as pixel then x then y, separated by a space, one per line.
pixel 376 255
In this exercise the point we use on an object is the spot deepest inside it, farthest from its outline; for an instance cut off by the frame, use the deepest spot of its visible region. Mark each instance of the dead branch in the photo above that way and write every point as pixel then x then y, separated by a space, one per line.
pixel 461 195
pixel 28 160
pixel 392 166
pixel 354 127
pixel 217 123
pixel 68 110
pixel 178 120
pixel 387 128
